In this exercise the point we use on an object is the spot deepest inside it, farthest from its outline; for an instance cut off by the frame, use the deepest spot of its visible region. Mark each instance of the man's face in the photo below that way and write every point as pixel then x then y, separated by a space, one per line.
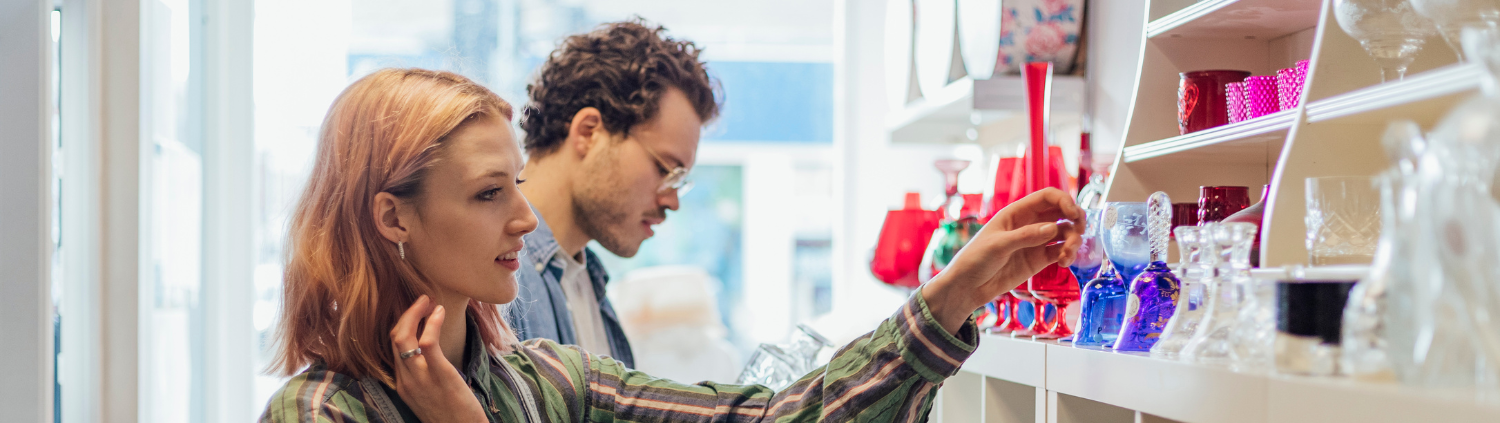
pixel 616 201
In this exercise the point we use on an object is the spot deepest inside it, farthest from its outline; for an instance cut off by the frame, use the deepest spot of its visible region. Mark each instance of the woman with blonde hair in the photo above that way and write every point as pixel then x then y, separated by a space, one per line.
pixel 412 210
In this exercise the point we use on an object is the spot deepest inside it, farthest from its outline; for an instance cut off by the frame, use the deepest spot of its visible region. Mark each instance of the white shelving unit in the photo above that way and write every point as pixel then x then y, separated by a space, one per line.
pixel 946 115
pixel 1014 380
pixel 1335 131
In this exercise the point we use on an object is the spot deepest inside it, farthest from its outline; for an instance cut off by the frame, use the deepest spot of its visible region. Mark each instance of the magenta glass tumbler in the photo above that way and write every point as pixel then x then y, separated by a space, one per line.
pixel 1234 95
pixel 1260 96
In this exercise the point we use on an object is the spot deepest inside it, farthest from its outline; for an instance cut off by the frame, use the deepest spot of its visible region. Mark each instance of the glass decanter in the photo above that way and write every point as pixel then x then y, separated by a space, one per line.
pixel 1452 16
pixel 1253 338
pixel 1391 31
pixel 1212 344
pixel 1191 304
pixel 1153 293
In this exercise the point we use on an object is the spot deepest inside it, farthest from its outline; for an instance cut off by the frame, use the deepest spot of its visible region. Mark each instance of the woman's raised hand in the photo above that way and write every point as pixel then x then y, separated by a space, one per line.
pixel 1017 243
pixel 425 380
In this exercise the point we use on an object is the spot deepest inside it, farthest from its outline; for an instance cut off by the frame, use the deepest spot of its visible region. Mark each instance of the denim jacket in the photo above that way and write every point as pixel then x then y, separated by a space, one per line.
pixel 541 310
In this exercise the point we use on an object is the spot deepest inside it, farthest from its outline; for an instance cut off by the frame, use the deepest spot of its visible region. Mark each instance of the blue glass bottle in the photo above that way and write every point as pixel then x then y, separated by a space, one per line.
pixel 1153 293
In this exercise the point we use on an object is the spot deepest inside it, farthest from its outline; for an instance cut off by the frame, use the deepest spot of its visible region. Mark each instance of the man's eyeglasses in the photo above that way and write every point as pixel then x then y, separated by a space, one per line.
pixel 673 177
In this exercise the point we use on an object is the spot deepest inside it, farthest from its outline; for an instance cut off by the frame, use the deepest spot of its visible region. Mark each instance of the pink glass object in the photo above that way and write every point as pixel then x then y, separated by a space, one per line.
pixel 1260 96
pixel 1217 203
pixel 1285 85
pixel 1234 95
pixel 903 240
pixel 1199 94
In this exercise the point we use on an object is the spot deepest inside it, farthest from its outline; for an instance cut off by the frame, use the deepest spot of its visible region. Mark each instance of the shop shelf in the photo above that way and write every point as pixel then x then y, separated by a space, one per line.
pixel 1239 141
pixel 1260 19
pixel 1400 98
pixel 946 116
pixel 1024 361
pixel 1170 389
pixel 1307 399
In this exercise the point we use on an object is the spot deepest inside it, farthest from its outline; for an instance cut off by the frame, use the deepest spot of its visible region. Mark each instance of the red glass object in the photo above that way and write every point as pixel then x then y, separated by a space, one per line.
pixel 1010 315
pixel 1217 203
pixel 1044 169
pixel 1201 99
pixel 1184 214
pixel 1085 159
pixel 1055 285
pixel 1253 214
pixel 1005 172
pixel 903 241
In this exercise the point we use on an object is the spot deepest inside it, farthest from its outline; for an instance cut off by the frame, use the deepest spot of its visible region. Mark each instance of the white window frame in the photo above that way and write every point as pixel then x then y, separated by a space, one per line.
pixel 25 207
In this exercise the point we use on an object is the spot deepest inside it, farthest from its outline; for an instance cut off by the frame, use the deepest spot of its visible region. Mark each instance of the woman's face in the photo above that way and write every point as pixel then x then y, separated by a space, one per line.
pixel 464 233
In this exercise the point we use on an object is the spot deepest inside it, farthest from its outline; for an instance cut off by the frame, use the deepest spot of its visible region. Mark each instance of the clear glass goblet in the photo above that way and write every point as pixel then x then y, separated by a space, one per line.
pixel 1451 16
pixel 1391 31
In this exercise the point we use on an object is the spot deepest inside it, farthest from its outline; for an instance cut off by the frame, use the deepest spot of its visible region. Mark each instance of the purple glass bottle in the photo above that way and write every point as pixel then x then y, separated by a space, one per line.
pixel 1153 293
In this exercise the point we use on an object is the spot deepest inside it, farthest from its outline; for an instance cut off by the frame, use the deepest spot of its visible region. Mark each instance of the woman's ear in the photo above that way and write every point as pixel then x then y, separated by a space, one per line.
pixel 585 128
pixel 388 217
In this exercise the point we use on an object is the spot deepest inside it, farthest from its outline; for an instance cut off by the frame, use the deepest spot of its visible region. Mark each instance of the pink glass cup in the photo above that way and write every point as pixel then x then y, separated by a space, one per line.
pixel 1234 95
pixel 1260 96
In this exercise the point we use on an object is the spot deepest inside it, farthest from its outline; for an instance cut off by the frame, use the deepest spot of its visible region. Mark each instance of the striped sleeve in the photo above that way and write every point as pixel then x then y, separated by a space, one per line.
pixel 316 396
pixel 889 375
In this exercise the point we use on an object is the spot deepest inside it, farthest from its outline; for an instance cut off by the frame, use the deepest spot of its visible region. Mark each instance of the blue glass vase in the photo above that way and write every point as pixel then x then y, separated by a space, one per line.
pixel 1153 293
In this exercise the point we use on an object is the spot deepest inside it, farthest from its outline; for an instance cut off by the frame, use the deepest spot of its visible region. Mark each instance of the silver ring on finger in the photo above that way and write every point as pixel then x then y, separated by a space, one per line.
pixel 411 353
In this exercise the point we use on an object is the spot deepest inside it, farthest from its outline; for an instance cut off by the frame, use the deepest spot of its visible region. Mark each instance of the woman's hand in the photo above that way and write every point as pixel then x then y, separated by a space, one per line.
pixel 427 382
pixel 1017 243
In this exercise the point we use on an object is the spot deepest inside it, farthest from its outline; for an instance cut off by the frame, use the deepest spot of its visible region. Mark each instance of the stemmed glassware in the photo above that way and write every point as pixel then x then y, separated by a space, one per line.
pixel 1391 31
pixel 1190 305
pixel 1452 16
pixel 1153 292
pixel 1103 298
pixel 1125 241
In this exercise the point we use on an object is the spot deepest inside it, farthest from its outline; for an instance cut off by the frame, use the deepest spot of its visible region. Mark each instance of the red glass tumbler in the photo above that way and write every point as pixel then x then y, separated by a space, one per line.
pixel 1217 203
pixel 1201 99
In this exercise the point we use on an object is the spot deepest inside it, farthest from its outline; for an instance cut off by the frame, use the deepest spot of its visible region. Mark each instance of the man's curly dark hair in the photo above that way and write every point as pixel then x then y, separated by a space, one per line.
pixel 622 69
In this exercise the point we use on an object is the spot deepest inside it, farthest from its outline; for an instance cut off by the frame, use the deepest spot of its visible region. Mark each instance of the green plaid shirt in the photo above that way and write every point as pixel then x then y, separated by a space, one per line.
pixel 889 375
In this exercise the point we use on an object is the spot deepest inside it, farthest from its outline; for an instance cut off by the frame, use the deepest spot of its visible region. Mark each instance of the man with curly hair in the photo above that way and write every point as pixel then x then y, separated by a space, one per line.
pixel 612 128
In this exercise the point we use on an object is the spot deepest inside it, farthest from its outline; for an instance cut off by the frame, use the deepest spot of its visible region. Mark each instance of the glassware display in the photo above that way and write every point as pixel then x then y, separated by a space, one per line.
pixel 1217 203
pixel 1452 16
pixel 1200 97
pixel 1343 220
pixel 1125 241
pixel 1211 343
pixel 1008 306
pixel 1391 31
pixel 903 240
pixel 1153 292
pixel 955 229
pixel 1253 215
pixel 1190 304
pixel 1253 338
pixel 1308 319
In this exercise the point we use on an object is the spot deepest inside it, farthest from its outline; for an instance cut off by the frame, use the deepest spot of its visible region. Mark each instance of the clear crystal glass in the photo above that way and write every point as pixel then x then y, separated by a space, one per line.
pixel 770 366
pixel 1391 31
pixel 1451 16
pixel 1210 344
pixel 1191 303
pixel 1125 240
pixel 1343 220
pixel 1253 338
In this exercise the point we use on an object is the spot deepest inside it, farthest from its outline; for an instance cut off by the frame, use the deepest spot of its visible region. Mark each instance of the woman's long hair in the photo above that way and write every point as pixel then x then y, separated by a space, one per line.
pixel 345 284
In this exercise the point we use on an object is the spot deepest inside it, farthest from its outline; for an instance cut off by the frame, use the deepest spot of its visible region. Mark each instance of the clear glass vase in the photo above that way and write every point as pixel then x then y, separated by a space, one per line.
pixel 1191 307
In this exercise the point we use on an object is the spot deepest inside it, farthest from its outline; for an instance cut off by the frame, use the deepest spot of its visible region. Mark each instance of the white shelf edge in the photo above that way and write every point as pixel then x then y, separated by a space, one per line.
pixel 1278 121
pixel 1016 350
pixel 921 108
pixel 1423 86
pixel 1187 14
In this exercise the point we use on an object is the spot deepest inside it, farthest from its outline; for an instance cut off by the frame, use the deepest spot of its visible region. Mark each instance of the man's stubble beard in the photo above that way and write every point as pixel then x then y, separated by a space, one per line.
pixel 599 211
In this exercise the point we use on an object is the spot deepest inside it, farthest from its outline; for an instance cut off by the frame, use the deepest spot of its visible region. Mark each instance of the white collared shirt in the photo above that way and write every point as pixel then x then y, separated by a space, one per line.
pixel 583 304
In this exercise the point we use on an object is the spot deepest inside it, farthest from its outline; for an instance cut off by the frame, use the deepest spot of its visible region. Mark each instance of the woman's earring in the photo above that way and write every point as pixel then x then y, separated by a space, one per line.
pixel 401 247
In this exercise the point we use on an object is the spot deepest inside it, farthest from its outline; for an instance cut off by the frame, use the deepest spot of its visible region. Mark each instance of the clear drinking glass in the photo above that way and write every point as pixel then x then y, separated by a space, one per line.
pixel 1191 302
pixel 1343 220
pixel 1391 31
pixel 770 366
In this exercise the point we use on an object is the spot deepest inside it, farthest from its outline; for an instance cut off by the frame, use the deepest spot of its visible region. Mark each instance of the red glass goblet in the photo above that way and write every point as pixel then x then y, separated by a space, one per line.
pixel 1055 285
